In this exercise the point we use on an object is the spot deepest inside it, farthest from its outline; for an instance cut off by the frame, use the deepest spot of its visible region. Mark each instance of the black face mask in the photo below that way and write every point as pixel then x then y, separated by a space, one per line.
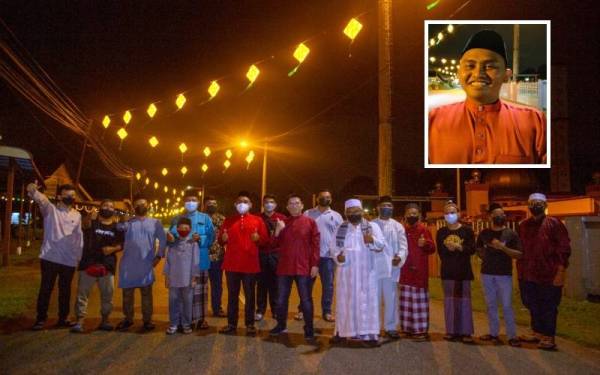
pixel 324 202
pixel 141 210
pixel 106 213
pixel 499 220
pixel 355 218
pixel 211 209
pixel 537 209
pixel 412 220
pixel 68 200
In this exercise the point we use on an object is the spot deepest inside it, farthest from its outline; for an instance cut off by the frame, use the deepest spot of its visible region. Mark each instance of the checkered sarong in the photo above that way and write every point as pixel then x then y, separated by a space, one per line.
pixel 414 309
pixel 200 299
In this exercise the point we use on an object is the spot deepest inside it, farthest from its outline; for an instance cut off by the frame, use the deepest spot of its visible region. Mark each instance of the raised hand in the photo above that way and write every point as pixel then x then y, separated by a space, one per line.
pixel 170 237
pixel 421 241
pixel 32 188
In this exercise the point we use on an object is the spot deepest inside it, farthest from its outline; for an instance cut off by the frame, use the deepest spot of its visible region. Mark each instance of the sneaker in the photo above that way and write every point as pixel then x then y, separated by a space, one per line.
pixel 228 330
pixel 187 330
pixel 278 330
pixel 392 335
pixel 124 325
pixel 39 325
pixel 149 326
pixel 251 330
pixel 467 339
pixel 77 328
pixel 299 316
pixel 171 330
pixel 309 335
pixel 258 317
pixel 547 343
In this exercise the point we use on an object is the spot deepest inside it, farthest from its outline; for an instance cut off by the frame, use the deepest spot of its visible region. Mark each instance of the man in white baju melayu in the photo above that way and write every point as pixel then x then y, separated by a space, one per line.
pixel 388 264
pixel 355 247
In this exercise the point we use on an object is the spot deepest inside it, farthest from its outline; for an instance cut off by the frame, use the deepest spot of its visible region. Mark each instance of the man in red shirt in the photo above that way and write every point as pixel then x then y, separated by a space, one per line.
pixel 414 279
pixel 546 250
pixel 299 247
pixel 266 287
pixel 241 234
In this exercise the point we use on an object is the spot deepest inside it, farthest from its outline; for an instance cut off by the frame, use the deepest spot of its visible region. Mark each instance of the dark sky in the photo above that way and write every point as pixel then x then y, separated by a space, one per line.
pixel 111 56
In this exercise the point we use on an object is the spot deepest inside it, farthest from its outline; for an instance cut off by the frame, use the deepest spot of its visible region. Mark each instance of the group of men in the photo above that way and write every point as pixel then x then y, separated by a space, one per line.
pixel 365 264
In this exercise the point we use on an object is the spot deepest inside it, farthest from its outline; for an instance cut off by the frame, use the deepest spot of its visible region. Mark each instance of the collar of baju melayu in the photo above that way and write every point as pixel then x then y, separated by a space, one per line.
pixel 340 237
pixel 474 107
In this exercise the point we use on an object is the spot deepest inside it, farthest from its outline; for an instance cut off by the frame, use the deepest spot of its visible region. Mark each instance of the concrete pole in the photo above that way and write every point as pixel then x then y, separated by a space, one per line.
pixel 385 98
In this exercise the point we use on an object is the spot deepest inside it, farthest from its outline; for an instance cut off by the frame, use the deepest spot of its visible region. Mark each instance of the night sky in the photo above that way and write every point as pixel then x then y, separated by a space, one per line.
pixel 113 56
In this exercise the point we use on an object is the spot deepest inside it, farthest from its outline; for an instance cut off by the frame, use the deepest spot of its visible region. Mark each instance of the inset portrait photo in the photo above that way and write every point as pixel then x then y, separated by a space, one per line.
pixel 487 101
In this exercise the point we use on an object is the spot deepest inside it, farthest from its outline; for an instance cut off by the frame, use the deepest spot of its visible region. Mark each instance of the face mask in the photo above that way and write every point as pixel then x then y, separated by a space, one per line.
pixel 537 209
pixel 412 220
pixel 183 233
pixel 324 202
pixel 106 213
pixel 191 206
pixel 242 208
pixel 211 209
pixel 451 218
pixel 499 220
pixel 68 200
pixel 355 218
pixel 270 207
pixel 141 210
pixel 386 212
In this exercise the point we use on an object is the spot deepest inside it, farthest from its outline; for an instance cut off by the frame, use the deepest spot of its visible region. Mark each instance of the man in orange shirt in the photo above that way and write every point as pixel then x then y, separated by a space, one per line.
pixel 484 129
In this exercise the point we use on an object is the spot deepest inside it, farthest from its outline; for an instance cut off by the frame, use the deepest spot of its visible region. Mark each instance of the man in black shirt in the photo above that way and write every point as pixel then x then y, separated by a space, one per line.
pixel 496 246
pixel 98 263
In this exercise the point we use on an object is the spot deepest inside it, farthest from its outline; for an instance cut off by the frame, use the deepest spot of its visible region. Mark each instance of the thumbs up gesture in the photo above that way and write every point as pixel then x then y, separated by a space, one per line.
pixel 225 236
pixel 421 241
pixel 254 236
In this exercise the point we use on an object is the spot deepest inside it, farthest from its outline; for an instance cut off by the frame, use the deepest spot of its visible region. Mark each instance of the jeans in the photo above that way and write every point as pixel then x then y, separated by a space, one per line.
pixel 542 302
pixel 326 273
pixel 84 286
pixel 498 289
pixel 180 306
pixel 267 283
pixel 304 285
pixel 50 272
pixel 387 290
pixel 248 281
pixel 215 274
pixel 128 298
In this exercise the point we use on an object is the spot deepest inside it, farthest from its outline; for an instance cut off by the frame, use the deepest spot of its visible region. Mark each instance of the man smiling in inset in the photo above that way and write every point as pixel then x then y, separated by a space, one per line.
pixel 484 129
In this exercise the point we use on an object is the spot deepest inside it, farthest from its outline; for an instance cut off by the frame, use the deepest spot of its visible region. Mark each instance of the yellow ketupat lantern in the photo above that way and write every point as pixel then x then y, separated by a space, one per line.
pixel 147 181
pixel 166 189
pixel 122 133
pixel 180 101
pixel 106 122
pixel 184 170
pixel 164 171
pixel 227 164
pixel 182 193
pixel 353 28
pixel 183 148
pixel 229 154
pixel 213 89
pixel 443 61
pixel 252 73
pixel 204 168
pixel 151 111
pixel 301 52
pixel 432 42
pixel 174 191
pixel 156 185
pixel 206 151
pixel 249 158
pixel 127 117
pixel 440 36
pixel 153 141
pixel 450 28
pixel 138 176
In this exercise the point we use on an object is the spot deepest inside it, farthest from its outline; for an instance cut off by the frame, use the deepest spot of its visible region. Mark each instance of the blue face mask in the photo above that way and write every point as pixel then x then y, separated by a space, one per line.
pixel 191 206
pixel 451 218
pixel 386 212
pixel 270 207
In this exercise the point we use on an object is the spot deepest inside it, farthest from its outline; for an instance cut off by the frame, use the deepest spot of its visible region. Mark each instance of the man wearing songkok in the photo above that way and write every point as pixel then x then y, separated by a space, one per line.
pixel 414 279
pixel 354 248
pixel 546 250
pixel 492 131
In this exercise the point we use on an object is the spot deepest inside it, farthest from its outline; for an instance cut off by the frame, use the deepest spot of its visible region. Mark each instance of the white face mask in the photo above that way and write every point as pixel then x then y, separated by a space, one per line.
pixel 242 208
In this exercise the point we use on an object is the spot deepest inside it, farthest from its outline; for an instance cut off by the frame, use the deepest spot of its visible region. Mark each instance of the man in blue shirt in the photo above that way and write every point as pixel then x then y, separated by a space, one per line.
pixel 203 233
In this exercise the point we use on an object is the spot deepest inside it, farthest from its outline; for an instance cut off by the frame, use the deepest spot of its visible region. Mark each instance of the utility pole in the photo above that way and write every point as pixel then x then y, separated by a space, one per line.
pixel 516 42
pixel 385 98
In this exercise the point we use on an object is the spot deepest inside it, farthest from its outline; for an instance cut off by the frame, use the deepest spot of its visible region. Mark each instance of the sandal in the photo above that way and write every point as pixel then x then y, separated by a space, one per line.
pixel 299 316
pixel 329 318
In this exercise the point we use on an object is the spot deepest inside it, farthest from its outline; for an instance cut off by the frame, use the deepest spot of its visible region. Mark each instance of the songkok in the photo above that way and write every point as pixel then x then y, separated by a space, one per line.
pixel 352 203
pixel 487 39
pixel 450 203
pixel 537 197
